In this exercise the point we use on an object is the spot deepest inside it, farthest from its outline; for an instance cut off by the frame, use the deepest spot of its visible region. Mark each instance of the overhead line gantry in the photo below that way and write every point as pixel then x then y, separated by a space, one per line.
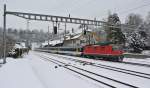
pixel 42 17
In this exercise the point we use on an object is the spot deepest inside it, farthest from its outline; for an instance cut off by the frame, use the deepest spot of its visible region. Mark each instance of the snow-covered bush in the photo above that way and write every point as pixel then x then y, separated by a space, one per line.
pixel 136 41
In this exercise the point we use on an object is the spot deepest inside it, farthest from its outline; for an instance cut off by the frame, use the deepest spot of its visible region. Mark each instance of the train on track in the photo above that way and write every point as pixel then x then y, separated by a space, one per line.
pixel 104 51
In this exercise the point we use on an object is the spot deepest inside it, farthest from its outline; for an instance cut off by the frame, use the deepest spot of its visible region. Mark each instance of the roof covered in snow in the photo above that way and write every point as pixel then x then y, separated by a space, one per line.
pixel 20 45
pixel 70 37
pixel 52 42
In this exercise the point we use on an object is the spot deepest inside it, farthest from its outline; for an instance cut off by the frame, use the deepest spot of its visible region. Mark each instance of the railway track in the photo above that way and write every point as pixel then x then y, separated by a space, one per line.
pixel 125 71
pixel 130 63
pixel 144 61
pixel 121 70
pixel 84 73
pixel 138 64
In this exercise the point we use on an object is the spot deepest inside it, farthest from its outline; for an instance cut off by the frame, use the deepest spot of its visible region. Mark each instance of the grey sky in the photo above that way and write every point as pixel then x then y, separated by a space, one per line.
pixel 77 8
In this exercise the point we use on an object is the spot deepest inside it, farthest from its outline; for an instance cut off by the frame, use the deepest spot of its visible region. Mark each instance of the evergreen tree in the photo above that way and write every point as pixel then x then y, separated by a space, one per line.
pixel 114 33
pixel 137 41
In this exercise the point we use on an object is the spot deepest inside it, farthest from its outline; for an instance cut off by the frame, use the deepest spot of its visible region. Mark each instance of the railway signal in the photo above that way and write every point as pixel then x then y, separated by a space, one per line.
pixel 55 30
pixel 84 32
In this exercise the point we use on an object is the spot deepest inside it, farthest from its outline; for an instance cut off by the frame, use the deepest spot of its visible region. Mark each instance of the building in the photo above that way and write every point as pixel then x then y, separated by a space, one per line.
pixel 81 39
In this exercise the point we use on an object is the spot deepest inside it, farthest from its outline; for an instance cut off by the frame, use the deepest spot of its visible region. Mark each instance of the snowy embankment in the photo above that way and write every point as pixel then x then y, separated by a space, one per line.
pixel 32 72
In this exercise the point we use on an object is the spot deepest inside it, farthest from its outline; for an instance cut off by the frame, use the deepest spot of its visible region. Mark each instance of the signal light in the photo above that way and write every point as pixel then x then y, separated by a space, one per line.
pixel 84 32
pixel 55 30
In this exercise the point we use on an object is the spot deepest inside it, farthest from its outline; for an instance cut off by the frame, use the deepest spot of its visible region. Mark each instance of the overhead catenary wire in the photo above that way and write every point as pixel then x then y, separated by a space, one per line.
pixel 132 9
pixel 81 5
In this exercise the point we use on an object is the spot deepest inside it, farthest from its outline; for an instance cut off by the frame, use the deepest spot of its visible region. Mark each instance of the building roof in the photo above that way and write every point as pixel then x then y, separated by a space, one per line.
pixel 71 37
pixel 76 34
pixel 52 42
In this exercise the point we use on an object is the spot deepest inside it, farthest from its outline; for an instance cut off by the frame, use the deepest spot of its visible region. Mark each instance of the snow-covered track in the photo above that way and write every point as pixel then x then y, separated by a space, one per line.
pixel 138 64
pixel 67 66
pixel 126 71
pixel 130 63
pixel 117 69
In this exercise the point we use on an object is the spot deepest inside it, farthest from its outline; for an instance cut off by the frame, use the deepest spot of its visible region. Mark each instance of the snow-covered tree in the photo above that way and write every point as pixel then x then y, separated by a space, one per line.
pixel 113 30
pixel 134 19
pixel 137 41
pixel 137 36
pixel 147 28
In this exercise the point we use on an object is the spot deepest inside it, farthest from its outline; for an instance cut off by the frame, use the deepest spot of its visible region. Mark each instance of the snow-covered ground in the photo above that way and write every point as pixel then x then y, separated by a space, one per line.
pixel 32 71
pixel 120 65
pixel 146 52
pixel 142 61
pixel 134 80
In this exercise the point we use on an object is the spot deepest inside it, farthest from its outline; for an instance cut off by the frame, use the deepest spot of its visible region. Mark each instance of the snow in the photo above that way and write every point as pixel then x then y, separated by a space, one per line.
pixel 35 45
pixel 130 79
pixel 20 45
pixel 146 52
pixel 23 44
pixel 79 31
pixel 76 34
pixel 142 61
pixel 120 65
pixel 32 72
pixel 74 37
pixel 17 46
pixel 52 42
pixel 18 74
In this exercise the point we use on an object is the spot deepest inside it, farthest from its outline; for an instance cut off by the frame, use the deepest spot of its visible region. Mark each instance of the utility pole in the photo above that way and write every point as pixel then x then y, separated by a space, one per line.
pixel 58 26
pixel 69 15
pixel 48 36
pixel 66 28
pixel 4 35
pixel 95 23
pixel 27 35
pixel 53 30
pixel 28 24
pixel 65 31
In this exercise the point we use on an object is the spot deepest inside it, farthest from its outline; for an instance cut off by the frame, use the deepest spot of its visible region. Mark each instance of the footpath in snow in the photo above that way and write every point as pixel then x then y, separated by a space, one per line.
pixel 32 72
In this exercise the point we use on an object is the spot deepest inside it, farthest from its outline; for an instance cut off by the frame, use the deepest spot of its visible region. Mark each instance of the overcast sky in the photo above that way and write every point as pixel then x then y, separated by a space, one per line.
pixel 76 8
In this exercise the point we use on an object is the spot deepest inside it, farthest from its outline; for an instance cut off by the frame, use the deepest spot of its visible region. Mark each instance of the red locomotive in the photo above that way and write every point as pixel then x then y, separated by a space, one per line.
pixel 104 51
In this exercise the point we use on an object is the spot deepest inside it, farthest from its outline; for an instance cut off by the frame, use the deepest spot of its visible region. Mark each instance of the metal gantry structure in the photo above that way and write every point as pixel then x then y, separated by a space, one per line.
pixel 61 19
pixel 42 17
